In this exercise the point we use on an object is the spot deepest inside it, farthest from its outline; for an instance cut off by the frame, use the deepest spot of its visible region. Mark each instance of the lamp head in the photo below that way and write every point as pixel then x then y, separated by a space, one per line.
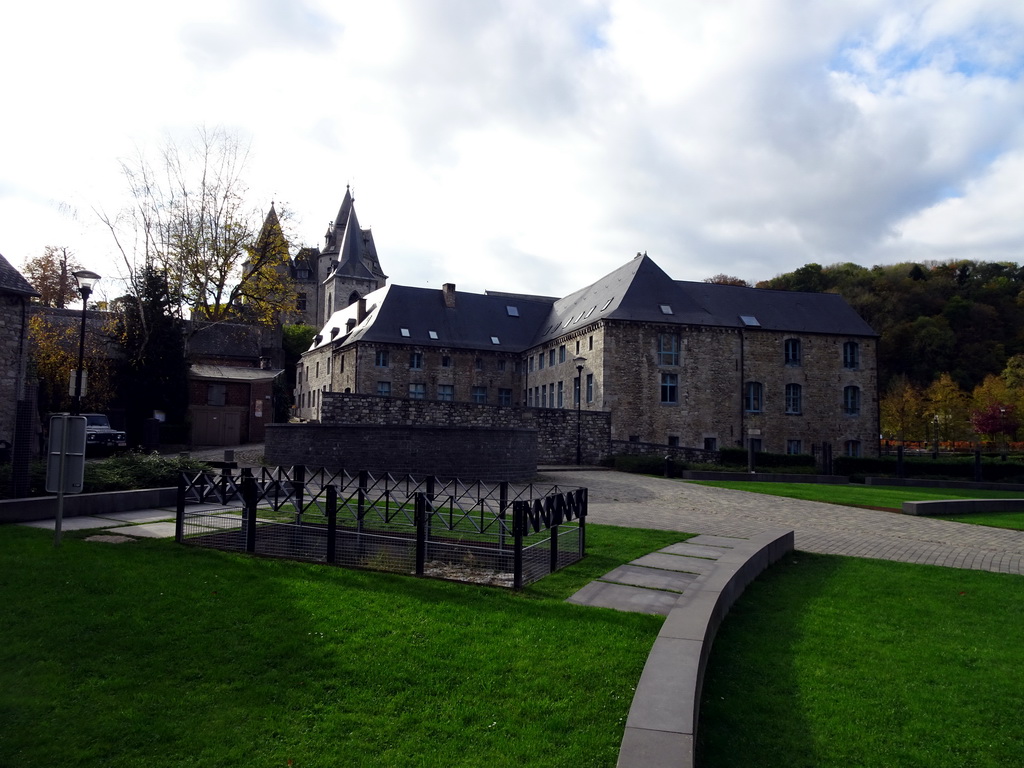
pixel 86 280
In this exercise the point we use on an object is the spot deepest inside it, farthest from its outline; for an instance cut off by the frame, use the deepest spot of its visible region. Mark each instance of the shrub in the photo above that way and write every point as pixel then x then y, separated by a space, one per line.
pixel 738 457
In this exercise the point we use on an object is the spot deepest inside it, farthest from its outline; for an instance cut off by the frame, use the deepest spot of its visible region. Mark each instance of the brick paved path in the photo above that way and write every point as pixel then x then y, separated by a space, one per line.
pixel 649 502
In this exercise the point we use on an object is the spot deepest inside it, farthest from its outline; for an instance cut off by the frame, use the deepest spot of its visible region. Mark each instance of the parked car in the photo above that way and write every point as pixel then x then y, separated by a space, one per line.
pixel 100 437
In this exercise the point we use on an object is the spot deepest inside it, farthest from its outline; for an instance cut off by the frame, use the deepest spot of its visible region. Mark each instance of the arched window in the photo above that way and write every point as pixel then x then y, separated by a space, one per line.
pixel 353 298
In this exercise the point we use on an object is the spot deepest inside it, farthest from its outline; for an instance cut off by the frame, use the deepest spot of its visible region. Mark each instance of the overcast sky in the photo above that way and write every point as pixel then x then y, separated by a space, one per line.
pixel 535 145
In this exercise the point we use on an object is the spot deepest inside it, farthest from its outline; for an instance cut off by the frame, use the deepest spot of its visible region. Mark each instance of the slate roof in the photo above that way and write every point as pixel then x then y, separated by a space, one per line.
pixel 351 246
pixel 12 281
pixel 639 291
pixel 473 323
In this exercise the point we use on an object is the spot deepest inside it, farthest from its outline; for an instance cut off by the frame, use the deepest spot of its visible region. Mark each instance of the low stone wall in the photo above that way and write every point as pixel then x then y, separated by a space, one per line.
pixel 555 428
pixel 962 506
pixel 475 453
pixel 76 504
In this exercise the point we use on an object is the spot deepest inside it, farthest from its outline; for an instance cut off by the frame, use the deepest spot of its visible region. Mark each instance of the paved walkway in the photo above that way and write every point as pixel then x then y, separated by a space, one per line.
pixel 651 502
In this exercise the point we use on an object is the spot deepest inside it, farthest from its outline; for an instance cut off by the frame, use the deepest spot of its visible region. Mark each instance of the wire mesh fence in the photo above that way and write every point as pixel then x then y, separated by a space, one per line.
pixel 502 534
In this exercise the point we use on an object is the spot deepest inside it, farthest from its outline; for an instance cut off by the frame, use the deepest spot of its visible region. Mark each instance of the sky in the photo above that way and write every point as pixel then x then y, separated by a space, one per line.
pixel 535 145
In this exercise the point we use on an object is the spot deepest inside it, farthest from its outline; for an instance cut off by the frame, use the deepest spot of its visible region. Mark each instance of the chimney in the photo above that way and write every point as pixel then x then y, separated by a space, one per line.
pixel 361 310
pixel 448 290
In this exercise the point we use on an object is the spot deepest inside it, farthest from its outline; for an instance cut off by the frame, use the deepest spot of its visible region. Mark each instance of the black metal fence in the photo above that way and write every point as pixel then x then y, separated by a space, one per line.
pixel 502 534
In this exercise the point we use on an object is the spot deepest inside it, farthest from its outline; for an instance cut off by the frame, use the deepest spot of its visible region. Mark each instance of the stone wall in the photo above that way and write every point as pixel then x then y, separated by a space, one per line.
pixel 468 453
pixel 555 430
pixel 13 354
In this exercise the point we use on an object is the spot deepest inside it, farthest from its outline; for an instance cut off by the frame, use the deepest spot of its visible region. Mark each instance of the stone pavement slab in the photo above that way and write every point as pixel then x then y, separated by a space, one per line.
pixel 652 578
pixel 146 530
pixel 675 562
pixel 622 597
pixel 140 516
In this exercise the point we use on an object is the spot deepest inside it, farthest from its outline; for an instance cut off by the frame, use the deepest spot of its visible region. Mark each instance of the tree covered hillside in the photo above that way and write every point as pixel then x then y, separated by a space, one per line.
pixel 964 318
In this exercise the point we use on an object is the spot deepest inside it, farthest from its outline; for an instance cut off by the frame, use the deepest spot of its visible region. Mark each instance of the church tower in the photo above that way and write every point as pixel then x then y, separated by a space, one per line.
pixel 348 267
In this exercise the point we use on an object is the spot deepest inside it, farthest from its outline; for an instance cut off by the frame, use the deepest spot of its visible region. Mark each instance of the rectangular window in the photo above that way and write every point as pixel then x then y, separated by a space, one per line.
pixel 529 364
pixel 543 395
pixel 478 364
pixel 561 394
pixel 852 447
pixel 329 366
pixel 794 398
pixel 501 366
pixel 479 394
pixel 590 387
pixel 791 351
pixel 710 443
pixel 381 358
pixel 384 388
pixel 318 369
pixel 590 342
pixel 416 361
pixel 418 391
pixel 794 447
pixel 673 441
pixel 504 397
pixel 670 388
pixel 851 355
pixel 668 349
pixel 753 397
pixel 446 392
pixel 432 335
pixel 576 392
pixel 540 362
pixel 551 357
pixel 217 394
pixel 561 354
pixel 446 361
pixel 851 401
pixel 300 302
pixel 529 397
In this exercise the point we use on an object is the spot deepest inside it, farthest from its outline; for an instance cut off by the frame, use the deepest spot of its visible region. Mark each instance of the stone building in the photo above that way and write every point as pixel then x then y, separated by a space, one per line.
pixel 17 409
pixel 674 363
pixel 335 277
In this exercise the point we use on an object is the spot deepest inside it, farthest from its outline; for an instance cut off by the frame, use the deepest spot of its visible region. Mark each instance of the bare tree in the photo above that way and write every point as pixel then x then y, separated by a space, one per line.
pixel 723 279
pixel 189 221
pixel 52 274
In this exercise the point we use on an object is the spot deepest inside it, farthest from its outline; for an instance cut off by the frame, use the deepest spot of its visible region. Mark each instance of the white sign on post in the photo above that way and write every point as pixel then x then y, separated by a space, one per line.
pixel 65 456
pixel 71 384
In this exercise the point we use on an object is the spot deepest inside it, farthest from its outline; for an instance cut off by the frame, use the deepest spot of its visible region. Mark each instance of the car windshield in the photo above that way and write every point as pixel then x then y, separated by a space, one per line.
pixel 97 420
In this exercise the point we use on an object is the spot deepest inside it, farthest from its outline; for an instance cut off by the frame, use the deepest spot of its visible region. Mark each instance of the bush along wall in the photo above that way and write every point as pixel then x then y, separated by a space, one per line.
pixel 737 457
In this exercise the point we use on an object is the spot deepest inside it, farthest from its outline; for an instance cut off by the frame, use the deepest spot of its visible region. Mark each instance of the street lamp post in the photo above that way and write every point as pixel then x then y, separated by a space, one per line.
pixel 86 281
pixel 579 360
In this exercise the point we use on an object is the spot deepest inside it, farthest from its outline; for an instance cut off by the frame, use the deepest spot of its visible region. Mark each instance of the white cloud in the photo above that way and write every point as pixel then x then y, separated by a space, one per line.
pixel 532 146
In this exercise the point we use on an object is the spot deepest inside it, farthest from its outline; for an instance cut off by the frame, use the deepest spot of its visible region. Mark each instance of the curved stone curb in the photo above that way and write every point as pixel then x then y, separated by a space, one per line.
pixel 662 722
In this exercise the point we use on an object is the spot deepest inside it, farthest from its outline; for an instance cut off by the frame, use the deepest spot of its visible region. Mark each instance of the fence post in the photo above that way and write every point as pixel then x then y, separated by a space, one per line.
pixel 582 517
pixel 502 513
pixel 518 523
pixel 431 481
pixel 977 466
pixel 249 509
pixel 421 533
pixel 553 549
pixel 298 486
pixel 179 509
pixel 332 523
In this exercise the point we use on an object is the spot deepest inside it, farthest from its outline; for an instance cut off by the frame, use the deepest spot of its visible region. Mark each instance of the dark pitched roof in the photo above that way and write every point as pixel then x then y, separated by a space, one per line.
pixel 641 291
pixel 474 322
pixel 12 281
pixel 638 291
pixel 350 246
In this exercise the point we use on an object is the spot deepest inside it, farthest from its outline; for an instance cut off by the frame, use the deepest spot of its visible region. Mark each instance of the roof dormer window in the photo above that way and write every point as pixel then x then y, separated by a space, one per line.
pixel 405 332
pixel 512 311
pixel 432 334
pixel 666 309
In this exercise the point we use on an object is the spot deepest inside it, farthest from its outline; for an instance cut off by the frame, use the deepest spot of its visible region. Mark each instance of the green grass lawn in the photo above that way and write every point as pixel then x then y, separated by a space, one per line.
pixel 832 661
pixel 155 654
pixel 1014 521
pixel 856 495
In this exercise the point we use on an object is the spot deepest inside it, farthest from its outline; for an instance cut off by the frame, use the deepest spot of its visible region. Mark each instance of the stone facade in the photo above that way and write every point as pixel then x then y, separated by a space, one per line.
pixel 671 363
pixel 468 453
pixel 555 430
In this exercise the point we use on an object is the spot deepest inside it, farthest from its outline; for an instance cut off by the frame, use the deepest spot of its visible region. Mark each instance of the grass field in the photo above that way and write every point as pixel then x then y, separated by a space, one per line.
pixel 155 654
pixel 1013 521
pixel 832 661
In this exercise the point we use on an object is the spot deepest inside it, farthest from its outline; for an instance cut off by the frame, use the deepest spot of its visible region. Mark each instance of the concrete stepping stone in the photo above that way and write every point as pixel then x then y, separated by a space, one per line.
pixel 687 549
pixel 652 578
pixel 622 597
pixel 146 530
pixel 675 562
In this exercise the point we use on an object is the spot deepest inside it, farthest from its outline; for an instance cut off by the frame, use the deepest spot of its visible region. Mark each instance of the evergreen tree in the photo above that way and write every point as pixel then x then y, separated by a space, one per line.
pixel 155 370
